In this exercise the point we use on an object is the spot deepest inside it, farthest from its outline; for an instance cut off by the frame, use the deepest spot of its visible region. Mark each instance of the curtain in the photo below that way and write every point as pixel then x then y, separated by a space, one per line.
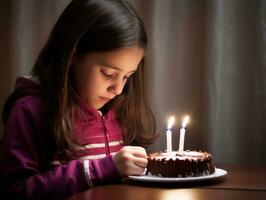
pixel 25 26
pixel 207 59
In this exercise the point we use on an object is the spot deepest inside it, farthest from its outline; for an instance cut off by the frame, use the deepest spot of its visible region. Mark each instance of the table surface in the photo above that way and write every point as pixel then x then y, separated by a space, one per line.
pixel 242 182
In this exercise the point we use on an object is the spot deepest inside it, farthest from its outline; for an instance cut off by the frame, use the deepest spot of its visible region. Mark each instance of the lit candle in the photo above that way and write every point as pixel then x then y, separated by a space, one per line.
pixel 169 134
pixel 182 134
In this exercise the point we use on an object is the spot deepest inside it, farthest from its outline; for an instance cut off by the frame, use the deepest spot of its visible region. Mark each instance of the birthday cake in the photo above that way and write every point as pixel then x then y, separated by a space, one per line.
pixel 180 164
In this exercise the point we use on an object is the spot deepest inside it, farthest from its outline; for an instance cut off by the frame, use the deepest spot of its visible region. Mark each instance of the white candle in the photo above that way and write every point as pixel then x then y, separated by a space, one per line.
pixel 169 141
pixel 182 139
pixel 169 134
pixel 182 134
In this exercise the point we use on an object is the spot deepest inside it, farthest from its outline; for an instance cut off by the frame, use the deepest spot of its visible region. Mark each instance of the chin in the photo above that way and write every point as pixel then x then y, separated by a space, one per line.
pixel 97 107
pixel 100 104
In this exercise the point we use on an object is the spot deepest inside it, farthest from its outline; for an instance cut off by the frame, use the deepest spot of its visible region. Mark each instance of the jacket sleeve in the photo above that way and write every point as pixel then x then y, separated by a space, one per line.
pixel 21 176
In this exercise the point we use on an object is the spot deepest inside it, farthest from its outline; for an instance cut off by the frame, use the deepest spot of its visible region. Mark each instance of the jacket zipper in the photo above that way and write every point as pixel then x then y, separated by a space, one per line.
pixel 107 149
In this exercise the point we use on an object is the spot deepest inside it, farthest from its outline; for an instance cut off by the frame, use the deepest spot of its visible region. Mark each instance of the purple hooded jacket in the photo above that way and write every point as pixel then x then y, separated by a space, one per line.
pixel 29 169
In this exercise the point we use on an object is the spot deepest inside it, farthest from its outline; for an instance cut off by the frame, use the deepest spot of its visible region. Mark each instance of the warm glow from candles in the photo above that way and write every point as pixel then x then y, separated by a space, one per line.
pixel 185 121
pixel 170 122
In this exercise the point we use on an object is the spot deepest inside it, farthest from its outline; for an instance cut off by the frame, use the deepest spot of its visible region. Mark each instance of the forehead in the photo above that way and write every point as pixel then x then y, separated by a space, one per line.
pixel 125 59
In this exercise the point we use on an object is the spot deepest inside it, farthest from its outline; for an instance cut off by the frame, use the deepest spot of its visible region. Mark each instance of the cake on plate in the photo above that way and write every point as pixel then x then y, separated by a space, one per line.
pixel 180 164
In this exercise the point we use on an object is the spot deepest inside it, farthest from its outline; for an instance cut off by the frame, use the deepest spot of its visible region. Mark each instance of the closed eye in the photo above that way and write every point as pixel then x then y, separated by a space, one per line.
pixel 105 74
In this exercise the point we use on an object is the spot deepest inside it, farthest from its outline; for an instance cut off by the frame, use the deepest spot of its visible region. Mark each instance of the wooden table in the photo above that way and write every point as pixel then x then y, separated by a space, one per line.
pixel 242 182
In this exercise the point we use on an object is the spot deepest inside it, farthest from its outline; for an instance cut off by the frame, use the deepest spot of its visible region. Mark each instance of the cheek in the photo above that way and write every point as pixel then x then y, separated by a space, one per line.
pixel 84 82
pixel 91 83
pixel 88 86
pixel 95 85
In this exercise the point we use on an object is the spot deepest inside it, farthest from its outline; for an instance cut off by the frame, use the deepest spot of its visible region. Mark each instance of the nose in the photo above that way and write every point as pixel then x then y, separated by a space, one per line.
pixel 116 87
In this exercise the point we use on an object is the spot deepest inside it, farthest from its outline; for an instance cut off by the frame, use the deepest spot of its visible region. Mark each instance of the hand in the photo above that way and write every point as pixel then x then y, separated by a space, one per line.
pixel 130 160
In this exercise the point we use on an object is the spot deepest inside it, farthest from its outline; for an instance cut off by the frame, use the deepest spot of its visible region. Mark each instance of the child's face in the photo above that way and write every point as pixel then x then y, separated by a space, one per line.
pixel 99 77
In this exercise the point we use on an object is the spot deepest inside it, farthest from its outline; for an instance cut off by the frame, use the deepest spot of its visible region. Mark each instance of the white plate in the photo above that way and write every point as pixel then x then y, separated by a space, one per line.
pixel 148 178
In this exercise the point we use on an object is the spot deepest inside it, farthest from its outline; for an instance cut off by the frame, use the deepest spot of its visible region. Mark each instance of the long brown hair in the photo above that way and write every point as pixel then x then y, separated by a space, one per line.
pixel 88 26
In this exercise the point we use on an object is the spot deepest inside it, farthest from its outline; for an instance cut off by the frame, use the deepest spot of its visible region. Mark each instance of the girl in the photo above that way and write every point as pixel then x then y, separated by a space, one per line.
pixel 68 127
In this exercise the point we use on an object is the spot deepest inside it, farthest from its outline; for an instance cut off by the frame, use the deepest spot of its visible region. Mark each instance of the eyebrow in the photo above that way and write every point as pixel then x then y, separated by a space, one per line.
pixel 116 68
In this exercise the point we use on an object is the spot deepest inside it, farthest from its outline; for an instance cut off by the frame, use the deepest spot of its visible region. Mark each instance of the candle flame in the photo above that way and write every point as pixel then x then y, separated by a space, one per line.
pixel 185 121
pixel 170 122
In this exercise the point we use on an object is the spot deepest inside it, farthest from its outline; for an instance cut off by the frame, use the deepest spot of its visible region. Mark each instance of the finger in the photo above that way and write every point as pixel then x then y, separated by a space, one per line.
pixel 140 162
pixel 139 153
pixel 136 170
pixel 138 148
